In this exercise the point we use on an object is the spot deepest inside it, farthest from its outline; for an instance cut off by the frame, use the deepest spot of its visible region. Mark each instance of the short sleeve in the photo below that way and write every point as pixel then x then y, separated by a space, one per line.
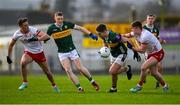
pixel 49 32
pixel 15 36
pixel 34 30
pixel 71 25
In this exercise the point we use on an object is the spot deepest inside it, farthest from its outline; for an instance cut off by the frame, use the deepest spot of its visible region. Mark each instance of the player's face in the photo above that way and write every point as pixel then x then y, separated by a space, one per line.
pixel 136 30
pixel 59 19
pixel 150 20
pixel 103 34
pixel 24 27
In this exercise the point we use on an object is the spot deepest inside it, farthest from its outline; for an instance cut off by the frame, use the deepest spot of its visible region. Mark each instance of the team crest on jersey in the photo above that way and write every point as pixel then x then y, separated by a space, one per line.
pixel 65 27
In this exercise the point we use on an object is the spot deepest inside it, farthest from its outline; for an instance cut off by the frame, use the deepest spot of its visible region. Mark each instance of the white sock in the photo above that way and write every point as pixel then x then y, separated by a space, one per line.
pixel 92 81
pixel 139 85
pixel 25 83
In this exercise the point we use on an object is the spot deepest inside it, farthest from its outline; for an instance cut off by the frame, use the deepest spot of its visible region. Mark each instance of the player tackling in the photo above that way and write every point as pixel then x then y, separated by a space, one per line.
pixel 149 44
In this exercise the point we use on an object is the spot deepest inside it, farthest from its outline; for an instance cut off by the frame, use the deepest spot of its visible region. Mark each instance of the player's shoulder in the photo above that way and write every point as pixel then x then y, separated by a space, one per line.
pixel 156 28
pixel 145 27
pixel 32 29
pixel 51 25
pixel 146 33
pixel 67 23
pixel 17 32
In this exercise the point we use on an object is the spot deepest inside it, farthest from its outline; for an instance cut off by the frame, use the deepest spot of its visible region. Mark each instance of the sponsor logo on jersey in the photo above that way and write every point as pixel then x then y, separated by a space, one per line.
pixel 62 34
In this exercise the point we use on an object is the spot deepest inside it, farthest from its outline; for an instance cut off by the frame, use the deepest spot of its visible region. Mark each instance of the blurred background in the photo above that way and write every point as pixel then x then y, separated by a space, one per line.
pixel 117 14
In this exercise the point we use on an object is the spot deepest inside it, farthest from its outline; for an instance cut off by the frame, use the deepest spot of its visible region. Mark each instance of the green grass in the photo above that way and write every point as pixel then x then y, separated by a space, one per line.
pixel 39 91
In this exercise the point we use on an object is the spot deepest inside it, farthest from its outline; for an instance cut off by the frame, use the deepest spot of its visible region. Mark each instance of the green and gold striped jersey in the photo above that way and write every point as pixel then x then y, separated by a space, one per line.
pixel 62 36
pixel 116 46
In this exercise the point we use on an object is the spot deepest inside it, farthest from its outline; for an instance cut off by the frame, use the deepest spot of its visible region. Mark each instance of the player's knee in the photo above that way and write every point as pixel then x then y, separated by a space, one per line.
pixel 80 68
pixel 23 64
pixel 143 68
pixel 69 72
pixel 153 73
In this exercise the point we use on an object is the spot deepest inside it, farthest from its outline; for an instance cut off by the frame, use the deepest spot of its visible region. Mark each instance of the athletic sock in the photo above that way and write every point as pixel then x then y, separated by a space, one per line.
pixel 138 85
pixel 90 79
pixel 78 85
pixel 53 84
pixel 25 83
pixel 114 86
pixel 162 82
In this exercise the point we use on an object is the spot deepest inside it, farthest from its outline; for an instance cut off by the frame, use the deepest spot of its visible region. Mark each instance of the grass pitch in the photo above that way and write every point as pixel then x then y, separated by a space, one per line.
pixel 39 91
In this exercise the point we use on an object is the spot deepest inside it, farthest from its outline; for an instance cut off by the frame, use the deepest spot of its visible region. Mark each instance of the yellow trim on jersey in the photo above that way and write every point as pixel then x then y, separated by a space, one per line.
pixel 134 42
pixel 62 34
pixel 112 44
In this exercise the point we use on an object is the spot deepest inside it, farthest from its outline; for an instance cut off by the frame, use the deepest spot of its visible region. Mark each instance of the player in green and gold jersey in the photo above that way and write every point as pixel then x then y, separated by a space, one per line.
pixel 60 31
pixel 119 53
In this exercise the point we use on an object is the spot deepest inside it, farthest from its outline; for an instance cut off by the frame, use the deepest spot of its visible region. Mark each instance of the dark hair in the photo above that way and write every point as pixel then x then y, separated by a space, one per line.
pixel 151 15
pixel 58 13
pixel 136 24
pixel 101 28
pixel 22 20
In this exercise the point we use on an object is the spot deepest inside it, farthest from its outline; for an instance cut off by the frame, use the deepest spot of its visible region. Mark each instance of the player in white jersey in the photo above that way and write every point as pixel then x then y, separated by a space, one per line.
pixel 33 51
pixel 149 44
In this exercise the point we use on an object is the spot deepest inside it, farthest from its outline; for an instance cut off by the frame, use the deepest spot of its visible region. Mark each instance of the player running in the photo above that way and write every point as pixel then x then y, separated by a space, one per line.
pixel 149 44
pixel 60 31
pixel 119 54
pixel 33 51
pixel 150 19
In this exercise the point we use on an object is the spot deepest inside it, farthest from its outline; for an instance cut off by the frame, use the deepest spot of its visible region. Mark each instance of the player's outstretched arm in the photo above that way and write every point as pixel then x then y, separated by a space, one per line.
pixel 43 36
pixel 85 31
pixel 10 49
pixel 142 48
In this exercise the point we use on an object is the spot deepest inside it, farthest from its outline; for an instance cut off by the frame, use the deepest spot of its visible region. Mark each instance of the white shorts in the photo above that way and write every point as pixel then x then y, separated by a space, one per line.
pixel 69 55
pixel 121 59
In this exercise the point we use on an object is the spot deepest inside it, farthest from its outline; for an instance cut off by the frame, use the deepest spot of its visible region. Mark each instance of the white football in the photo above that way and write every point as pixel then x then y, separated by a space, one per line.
pixel 104 52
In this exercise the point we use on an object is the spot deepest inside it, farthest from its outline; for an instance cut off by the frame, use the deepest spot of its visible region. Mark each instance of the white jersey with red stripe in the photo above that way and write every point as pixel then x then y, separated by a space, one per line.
pixel 146 37
pixel 33 47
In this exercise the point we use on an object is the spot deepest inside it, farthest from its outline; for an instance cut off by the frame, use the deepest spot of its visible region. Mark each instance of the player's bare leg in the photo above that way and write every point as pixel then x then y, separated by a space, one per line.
pixel 155 73
pixel 67 67
pixel 49 75
pixel 114 70
pixel 83 70
pixel 160 70
pixel 25 60
pixel 151 62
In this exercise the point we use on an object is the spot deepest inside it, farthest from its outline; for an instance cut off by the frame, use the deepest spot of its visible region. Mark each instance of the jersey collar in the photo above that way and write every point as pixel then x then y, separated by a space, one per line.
pixel 60 26
pixel 150 27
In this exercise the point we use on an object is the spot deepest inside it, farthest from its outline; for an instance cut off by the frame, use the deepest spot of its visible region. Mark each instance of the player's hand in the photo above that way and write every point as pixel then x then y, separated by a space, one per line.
pixel 129 45
pixel 93 36
pixel 32 39
pixel 9 61
pixel 136 56
pixel 163 41
pixel 46 40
